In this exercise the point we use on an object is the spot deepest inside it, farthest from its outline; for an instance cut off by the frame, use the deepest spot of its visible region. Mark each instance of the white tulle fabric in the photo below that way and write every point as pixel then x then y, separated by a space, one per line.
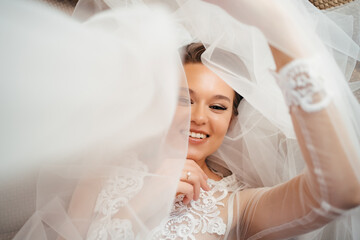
pixel 81 104
pixel 120 139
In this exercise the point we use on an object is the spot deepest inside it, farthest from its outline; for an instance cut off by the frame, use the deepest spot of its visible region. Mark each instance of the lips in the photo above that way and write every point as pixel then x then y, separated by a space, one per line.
pixel 197 137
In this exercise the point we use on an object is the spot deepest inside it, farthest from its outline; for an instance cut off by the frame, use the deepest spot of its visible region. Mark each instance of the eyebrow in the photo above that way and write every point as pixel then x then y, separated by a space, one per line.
pixel 220 97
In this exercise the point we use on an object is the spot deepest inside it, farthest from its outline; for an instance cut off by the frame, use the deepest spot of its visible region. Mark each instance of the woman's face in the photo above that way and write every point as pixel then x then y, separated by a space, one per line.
pixel 211 110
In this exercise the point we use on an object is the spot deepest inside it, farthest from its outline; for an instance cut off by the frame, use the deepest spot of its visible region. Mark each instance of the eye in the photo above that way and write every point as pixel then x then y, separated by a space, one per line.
pixel 218 107
pixel 184 101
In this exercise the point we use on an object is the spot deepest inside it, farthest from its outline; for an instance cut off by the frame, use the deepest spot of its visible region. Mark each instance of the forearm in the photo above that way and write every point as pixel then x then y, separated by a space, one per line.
pixel 328 152
pixel 326 148
pixel 328 186
pixel 280 212
pixel 312 199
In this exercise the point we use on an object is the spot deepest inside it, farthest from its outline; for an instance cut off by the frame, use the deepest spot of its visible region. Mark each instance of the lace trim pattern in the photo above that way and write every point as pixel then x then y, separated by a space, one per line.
pixel 184 222
pixel 303 86
pixel 119 229
pixel 118 190
pixel 202 216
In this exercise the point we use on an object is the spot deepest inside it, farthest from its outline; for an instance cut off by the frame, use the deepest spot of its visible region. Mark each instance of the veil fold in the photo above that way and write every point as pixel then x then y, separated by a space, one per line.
pixel 94 115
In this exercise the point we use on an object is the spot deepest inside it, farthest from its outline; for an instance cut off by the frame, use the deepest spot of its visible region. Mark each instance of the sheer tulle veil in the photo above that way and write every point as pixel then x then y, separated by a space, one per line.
pixel 112 110
pixel 238 52
pixel 97 105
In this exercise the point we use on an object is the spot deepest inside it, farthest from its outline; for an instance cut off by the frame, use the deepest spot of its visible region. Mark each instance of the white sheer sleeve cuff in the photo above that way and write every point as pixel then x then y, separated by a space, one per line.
pixel 302 85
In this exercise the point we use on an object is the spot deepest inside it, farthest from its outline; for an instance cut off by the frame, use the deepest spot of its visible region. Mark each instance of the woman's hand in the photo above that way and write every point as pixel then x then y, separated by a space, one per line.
pixel 276 21
pixel 192 179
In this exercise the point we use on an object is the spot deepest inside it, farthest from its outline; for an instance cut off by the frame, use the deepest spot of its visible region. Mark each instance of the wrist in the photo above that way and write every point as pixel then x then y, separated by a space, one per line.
pixel 302 85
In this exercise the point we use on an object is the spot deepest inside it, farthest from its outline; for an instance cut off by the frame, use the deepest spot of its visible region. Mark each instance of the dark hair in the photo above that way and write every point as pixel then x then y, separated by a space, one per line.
pixel 192 54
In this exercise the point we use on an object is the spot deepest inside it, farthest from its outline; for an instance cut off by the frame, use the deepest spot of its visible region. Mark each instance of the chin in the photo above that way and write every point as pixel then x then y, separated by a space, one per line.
pixel 195 155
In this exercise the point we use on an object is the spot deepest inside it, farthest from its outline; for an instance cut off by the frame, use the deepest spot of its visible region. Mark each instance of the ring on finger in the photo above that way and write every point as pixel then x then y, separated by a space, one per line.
pixel 188 174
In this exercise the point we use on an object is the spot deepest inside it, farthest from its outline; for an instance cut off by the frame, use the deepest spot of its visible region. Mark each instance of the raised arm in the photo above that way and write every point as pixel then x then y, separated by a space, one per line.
pixel 330 184
pixel 328 187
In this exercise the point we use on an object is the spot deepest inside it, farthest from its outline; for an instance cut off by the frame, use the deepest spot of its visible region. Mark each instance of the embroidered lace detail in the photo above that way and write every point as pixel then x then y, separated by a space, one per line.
pixel 119 229
pixel 199 217
pixel 303 86
pixel 117 192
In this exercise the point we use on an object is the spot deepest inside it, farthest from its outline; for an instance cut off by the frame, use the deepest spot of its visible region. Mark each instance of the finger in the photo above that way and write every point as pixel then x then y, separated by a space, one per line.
pixel 198 168
pixel 186 189
pixel 186 200
pixel 195 170
pixel 203 181
pixel 197 182
pixel 193 166
pixel 194 180
pixel 204 185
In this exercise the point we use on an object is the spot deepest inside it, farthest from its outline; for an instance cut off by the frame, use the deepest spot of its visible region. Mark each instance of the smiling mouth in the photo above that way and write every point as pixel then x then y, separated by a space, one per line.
pixel 198 135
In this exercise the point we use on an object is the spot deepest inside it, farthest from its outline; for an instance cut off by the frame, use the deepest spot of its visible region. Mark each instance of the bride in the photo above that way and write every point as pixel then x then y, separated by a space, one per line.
pixel 296 203
pixel 243 177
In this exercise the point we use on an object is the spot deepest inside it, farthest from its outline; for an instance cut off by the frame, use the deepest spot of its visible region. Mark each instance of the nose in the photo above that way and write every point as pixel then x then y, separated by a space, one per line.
pixel 198 114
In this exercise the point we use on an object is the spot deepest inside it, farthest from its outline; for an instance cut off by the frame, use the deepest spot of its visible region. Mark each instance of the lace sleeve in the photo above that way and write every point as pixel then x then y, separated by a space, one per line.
pixel 328 186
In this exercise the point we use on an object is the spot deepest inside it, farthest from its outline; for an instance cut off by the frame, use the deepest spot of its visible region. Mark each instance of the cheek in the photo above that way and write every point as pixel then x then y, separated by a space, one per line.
pixel 221 125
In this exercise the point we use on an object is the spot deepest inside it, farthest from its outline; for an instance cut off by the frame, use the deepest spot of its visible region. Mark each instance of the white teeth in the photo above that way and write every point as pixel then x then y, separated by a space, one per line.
pixel 197 135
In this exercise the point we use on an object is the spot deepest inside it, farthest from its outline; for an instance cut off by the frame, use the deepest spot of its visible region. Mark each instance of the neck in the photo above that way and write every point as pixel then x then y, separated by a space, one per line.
pixel 207 171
